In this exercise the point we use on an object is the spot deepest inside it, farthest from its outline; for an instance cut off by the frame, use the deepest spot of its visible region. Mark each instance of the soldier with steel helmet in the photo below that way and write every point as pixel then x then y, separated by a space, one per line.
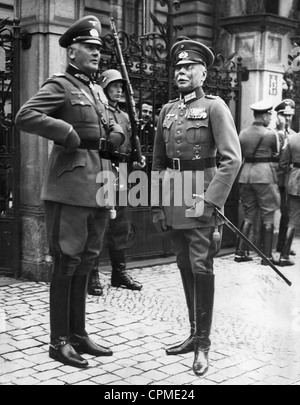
pixel 190 132
pixel 70 110
pixel 258 178
pixel 120 231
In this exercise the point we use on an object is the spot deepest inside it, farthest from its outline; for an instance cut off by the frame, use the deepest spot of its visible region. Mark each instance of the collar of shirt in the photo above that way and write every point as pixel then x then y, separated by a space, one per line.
pixel 259 124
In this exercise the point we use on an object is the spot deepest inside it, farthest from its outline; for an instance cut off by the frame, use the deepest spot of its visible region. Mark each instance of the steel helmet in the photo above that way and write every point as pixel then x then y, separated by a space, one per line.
pixel 110 76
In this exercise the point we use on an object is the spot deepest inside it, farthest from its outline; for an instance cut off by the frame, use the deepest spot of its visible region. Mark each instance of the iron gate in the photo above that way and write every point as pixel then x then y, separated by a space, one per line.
pixel 151 75
pixel 9 149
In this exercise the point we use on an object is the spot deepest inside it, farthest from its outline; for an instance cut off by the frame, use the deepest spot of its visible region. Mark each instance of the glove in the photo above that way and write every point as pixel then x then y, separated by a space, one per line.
pixel 207 214
pixel 159 220
pixel 72 143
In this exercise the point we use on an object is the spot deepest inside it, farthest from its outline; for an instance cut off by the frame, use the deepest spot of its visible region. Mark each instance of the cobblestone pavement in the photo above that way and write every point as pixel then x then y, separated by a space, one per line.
pixel 255 337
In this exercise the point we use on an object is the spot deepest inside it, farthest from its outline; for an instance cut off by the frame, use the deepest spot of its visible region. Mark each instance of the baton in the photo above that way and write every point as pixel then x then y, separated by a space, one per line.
pixel 245 239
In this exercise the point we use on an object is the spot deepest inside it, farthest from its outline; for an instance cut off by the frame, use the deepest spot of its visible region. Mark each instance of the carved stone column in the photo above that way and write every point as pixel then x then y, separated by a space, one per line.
pixel 42 24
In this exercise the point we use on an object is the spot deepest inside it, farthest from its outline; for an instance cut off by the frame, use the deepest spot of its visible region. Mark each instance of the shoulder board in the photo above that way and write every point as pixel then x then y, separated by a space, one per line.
pixel 59 75
pixel 211 97
pixel 53 78
pixel 173 101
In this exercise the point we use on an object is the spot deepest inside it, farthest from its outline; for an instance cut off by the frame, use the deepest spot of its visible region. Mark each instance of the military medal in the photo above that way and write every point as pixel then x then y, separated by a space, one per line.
pixel 197 152
pixel 196 114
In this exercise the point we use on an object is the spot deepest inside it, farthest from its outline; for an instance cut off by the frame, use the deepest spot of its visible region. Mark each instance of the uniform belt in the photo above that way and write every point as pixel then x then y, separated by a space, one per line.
pixel 87 144
pixel 262 160
pixel 297 165
pixel 191 165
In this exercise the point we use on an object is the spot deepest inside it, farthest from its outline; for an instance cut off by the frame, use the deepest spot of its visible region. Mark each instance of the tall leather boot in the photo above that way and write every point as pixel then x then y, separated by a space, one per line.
pixel 119 276
pixel 241 255
pixel 285 253
pixel 204 303
pixel 60 348
pixel 94 286
pixel 188 286
pixel 268 234
pixel 79 337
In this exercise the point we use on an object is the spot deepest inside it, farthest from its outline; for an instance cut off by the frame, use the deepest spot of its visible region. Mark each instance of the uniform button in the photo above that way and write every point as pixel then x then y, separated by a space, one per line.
pixel 178 132
pixel 179 141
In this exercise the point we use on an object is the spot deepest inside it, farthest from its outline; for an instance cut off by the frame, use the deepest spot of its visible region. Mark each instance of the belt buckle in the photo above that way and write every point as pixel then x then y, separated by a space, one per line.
pixel 176 164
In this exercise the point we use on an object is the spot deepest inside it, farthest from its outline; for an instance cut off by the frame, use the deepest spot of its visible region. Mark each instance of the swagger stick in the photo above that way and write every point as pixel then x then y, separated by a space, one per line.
pixel 245 239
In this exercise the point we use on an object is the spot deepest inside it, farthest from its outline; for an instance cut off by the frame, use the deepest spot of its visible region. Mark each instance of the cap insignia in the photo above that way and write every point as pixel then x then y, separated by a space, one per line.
pixel 94 33
pixel 183 55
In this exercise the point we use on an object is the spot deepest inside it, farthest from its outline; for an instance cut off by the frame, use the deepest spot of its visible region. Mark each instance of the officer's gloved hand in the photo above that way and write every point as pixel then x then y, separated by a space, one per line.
pixel 207 213
pixel 72 143
pixel 159 220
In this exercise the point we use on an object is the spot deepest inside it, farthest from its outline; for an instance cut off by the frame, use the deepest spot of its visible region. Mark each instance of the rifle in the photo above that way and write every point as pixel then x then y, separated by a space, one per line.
pixel 129 94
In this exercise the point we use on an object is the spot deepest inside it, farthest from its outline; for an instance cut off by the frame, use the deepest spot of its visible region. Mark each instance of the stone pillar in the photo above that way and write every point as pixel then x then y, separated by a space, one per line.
pixel 42 23
pixel 263 43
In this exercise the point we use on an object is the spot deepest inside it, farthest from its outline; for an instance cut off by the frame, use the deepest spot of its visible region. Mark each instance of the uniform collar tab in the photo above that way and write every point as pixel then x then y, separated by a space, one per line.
pixel 78 74
pixel 194 95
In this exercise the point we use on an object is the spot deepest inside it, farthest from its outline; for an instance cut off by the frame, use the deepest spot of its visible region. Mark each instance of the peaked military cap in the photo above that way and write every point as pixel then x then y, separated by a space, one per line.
pixel 286 107
pixel 87 29
pixel 191 52
pixel 263 106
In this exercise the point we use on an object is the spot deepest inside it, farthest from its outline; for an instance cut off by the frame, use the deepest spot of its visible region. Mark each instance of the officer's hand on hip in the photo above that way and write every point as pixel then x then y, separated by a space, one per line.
pixel 73 142
pixel 159 220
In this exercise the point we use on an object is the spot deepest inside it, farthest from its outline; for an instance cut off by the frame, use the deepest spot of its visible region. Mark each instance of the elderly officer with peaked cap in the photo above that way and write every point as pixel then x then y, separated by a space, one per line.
pixel 258 178
pixel 71 111
pixel 285 112
pixel 190 131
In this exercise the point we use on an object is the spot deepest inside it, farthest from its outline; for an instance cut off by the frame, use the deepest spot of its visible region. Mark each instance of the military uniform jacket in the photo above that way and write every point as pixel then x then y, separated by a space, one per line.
pixel 198 131
pixel 51 113
pixel 264 171
pixel 291 156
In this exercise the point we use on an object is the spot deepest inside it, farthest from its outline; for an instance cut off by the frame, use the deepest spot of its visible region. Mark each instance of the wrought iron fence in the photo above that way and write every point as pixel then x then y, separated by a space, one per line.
pixel 9 148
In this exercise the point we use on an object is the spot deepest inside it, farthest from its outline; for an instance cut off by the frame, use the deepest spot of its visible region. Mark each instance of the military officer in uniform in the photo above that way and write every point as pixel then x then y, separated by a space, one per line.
pixel 119 229
pixel 258 177
pixel 285 111
pixel 69 111
pixel 290 163
pixel 190 132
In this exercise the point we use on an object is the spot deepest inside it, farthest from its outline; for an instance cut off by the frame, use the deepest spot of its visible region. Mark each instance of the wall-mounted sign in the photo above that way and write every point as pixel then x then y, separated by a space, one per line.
pixel 273 85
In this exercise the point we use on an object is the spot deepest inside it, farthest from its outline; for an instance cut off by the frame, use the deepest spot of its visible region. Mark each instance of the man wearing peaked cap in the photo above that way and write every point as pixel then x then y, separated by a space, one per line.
pixel 191 52
pixel 286 107
pixel 263 107
pixel 285 112
pixel 88 29
pixel 190 131
pixel 258 180
pixel 72 111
